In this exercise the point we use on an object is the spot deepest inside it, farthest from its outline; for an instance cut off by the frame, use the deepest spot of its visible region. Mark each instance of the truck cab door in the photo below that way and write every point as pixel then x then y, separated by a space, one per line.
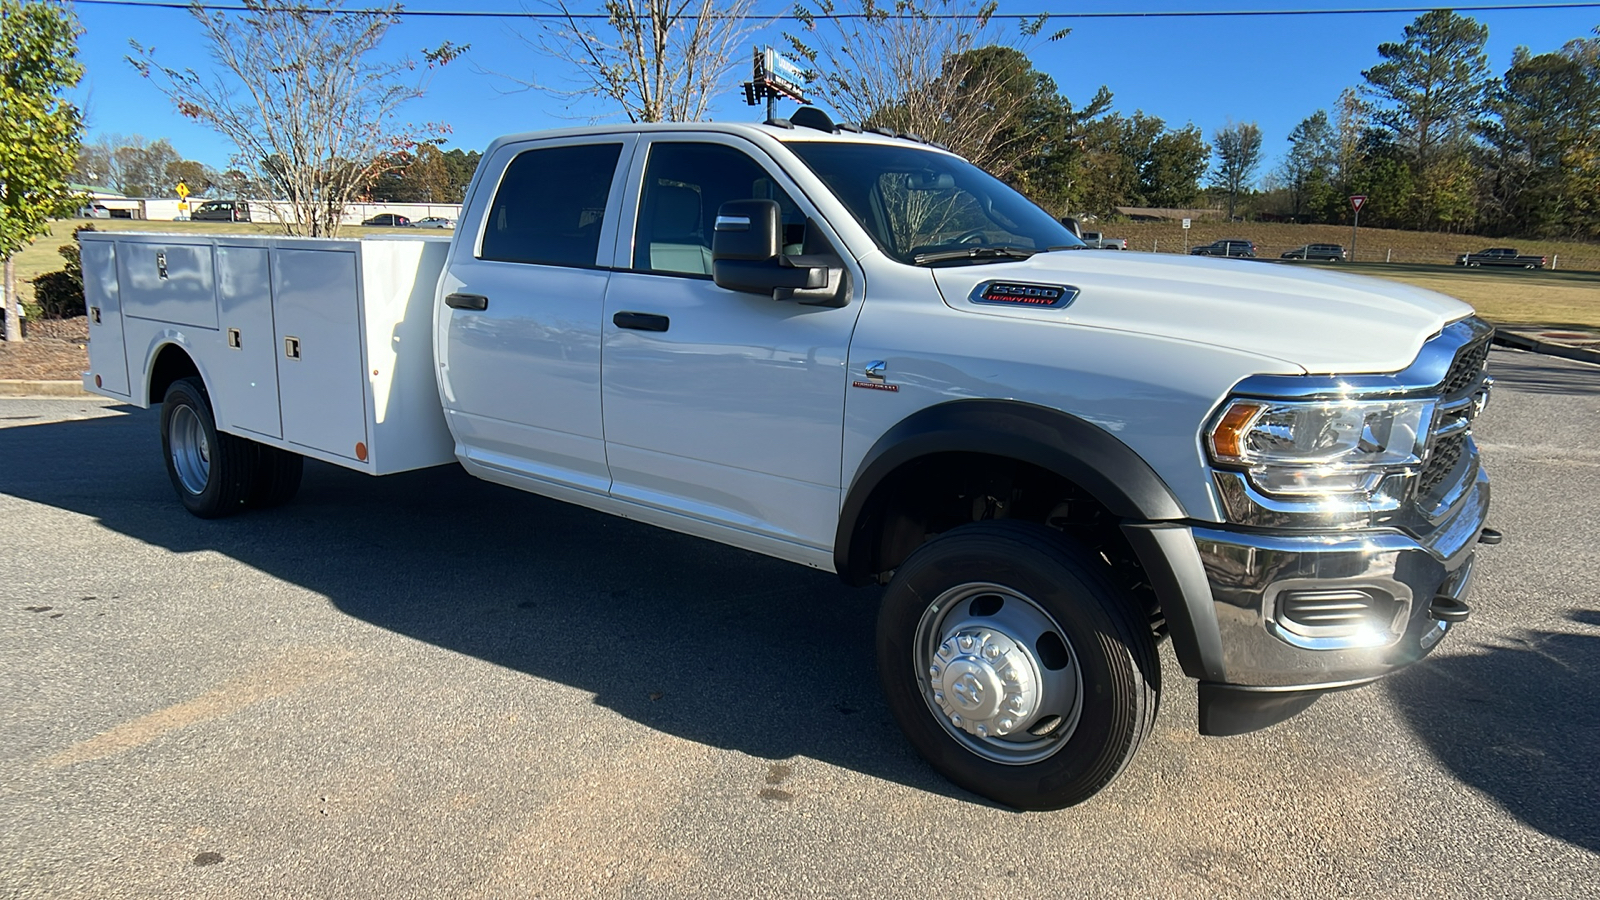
pixel 722 407
pixel 518 325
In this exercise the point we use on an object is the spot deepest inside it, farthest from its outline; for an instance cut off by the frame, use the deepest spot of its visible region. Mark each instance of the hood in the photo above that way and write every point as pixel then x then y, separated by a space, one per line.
pixel 1323 322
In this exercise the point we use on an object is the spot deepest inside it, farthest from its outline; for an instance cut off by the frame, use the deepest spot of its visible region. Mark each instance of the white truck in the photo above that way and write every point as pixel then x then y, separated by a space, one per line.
pixel 1096 240
pixel 863 354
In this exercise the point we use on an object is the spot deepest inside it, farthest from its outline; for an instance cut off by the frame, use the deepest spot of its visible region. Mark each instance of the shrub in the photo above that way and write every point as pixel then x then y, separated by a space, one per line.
pixel 58 295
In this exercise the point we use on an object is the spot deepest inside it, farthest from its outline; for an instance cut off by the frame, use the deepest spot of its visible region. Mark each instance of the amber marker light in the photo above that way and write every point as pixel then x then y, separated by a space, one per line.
pixel 361 451
pixel 1227 439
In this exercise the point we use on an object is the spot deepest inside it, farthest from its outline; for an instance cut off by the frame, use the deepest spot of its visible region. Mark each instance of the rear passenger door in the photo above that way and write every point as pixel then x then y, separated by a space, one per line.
pixel 519 333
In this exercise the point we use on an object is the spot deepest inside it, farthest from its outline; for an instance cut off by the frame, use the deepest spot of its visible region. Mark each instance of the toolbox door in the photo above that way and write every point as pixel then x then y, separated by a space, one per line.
pixel 108 360
pixel 247 381
pixel 316 316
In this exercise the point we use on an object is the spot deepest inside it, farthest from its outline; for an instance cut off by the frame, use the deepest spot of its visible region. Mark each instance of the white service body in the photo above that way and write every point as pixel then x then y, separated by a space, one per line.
pixel 321 347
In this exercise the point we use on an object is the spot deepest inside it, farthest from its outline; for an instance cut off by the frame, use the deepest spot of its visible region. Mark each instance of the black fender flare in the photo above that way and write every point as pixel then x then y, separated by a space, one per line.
pixel 1059 442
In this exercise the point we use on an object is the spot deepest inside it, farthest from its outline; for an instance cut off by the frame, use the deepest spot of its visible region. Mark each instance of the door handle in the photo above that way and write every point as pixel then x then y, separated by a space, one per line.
pixel 641 321
pixel 466 301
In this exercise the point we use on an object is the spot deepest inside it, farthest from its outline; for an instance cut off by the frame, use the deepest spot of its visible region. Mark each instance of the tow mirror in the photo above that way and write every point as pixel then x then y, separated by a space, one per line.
pixel 1072 226
pixel 746 253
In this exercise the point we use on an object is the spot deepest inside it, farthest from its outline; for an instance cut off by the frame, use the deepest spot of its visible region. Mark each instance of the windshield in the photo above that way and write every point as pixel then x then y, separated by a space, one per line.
pixel 923 207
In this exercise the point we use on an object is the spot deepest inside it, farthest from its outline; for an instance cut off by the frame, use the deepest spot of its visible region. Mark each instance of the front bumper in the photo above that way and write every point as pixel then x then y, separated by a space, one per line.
pixel 1248 611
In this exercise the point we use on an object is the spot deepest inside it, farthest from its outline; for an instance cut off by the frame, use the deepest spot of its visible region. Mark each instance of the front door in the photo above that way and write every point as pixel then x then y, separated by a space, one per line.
pixel 519 341
pixel 721 406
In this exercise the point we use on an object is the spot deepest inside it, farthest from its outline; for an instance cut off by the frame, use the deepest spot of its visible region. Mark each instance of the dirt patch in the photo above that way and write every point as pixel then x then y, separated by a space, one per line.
pixel 52 350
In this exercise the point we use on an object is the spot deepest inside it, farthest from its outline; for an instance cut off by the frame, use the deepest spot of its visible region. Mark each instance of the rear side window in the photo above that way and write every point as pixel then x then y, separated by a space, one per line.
pixel 550 206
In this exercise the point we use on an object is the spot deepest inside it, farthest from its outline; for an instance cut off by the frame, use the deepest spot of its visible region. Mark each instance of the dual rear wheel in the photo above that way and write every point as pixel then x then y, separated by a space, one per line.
pixel 217 474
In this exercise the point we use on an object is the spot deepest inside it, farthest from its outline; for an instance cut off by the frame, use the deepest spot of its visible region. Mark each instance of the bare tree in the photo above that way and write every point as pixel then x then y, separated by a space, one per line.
pixel 1238 156
pixel 295 89
pixel 658 60
pixel 911 66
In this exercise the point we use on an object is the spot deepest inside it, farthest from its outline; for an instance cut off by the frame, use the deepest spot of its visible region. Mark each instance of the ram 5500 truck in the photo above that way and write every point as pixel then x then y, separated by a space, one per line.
pixel 863 354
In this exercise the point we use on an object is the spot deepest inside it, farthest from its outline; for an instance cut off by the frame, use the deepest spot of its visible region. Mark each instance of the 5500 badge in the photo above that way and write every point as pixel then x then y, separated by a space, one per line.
pixel 1018 293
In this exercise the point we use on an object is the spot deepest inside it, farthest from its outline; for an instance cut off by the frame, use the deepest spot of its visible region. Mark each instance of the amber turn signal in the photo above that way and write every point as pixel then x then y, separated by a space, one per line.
pixel 1227 439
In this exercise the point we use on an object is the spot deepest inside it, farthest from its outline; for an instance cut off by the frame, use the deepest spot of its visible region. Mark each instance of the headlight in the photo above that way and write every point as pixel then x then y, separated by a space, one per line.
pixel 1324 447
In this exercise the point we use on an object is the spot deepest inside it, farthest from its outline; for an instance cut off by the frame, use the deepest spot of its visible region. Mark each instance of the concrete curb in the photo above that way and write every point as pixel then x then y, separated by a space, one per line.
pixel 1549 348
pixel 16 387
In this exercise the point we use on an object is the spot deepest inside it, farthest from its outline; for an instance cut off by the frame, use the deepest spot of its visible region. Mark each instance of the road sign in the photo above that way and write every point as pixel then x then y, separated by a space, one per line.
pixel 1358 201
pixel 183 191
pixel 1185 224
pixel 774 77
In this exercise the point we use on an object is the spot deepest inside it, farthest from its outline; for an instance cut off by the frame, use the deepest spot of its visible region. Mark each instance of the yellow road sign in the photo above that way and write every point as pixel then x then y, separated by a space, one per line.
pixel 183 190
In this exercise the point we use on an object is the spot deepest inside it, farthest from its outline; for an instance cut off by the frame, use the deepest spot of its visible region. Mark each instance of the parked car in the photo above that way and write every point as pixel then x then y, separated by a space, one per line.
pixel 435 222
pixel 95 211
pixel 392 220
pixel 1500 256
pixel 1096 241
pixel 221 211
pixel 1323 252
pixel 1227 247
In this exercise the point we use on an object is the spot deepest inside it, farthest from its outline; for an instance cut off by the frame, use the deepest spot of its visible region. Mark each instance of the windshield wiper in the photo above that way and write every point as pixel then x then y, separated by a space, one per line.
pixel 923 259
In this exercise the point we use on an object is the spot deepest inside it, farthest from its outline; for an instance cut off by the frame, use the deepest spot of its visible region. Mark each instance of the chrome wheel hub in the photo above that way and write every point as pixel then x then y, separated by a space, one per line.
pixel 984 682
pixel 998 673
pixel 191 452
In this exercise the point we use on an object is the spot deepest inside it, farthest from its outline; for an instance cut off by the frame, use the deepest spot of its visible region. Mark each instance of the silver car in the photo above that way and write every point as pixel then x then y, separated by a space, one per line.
pixel 435 222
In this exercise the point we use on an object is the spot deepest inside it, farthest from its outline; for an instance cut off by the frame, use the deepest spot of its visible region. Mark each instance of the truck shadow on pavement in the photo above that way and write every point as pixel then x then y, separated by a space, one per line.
pixel 1517 720
pixel 701 641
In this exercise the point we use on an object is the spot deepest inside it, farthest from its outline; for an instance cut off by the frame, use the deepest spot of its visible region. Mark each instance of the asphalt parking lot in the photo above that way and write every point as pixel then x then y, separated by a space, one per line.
pixel 428 686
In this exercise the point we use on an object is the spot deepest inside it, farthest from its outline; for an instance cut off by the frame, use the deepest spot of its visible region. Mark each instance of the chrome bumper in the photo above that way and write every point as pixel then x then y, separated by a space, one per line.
pixel 1334 609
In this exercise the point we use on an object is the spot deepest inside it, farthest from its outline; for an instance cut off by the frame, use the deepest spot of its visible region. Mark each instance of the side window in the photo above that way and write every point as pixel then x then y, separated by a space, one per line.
pixel 684 184
pixel 550 206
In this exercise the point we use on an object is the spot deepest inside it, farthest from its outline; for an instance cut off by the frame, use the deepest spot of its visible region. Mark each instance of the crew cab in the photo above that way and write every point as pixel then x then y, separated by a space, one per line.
pixel 863 354
pixel 1501 256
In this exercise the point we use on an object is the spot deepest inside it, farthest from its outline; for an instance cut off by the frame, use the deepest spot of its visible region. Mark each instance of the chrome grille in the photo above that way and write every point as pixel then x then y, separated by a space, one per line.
pixel 1451 426
pixel 1442 460
pixel 1467 369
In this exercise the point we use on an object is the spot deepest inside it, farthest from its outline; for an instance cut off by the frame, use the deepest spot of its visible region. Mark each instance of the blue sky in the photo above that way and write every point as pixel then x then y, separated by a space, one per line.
pixel 1274 71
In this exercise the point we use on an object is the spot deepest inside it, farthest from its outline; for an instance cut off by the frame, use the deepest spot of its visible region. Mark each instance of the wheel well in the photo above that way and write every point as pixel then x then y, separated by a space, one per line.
pixel 171 364
pixel 932 494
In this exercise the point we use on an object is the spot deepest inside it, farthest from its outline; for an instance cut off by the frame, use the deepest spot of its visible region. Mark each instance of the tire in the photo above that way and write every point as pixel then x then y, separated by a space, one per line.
pixel 980 603
pixel 213 473
pixel 277 478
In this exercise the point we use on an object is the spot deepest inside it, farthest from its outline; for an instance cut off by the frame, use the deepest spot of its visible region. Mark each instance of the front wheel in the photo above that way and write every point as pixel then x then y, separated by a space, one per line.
pixel 1014 666
pixel 212 472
